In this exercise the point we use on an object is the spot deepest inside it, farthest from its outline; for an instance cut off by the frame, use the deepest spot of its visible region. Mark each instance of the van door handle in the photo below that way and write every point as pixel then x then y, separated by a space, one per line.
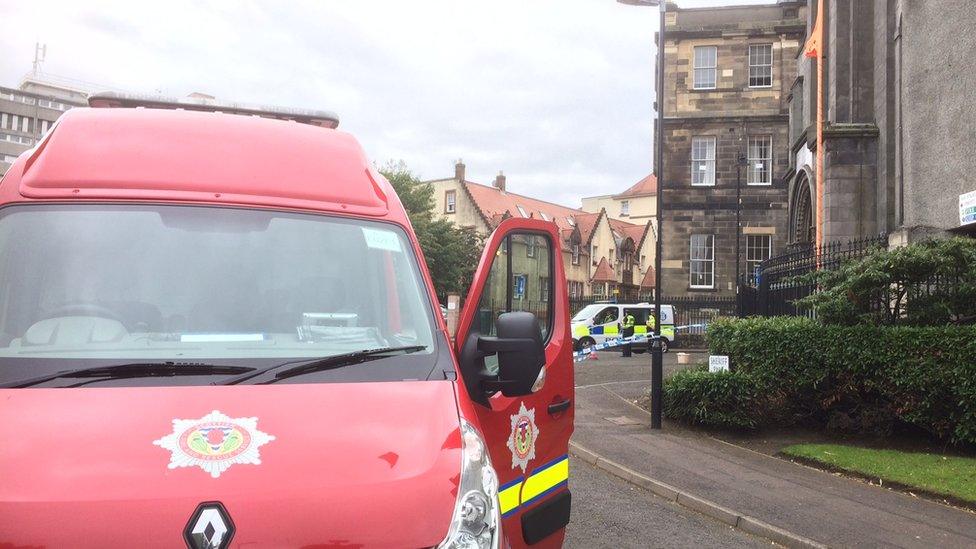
pixel 559 407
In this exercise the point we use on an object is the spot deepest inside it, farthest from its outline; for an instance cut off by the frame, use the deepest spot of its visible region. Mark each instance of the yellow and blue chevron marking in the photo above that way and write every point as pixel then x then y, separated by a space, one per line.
pixel 508 495
pixel 544 480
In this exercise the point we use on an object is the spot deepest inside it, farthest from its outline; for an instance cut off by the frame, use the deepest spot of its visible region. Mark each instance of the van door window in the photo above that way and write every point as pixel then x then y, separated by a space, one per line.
pixel 640 316
pixel 606 316
pixel 508 289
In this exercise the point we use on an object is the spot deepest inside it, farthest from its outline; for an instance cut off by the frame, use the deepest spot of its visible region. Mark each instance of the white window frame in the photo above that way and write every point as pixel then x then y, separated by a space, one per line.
pixel 55 105
pixel 544 216
pixel 16 139
pixel 703 65
pixel 624 208
pixel 529 246
pixel 576 254
pixel 767 250
pixel 706 160
pixel 450 201
pixel 756 175
pixel 569 289
pixel 707 260
pixel 25 125
pixel 521 211
pixel 544 289
pixel 760 68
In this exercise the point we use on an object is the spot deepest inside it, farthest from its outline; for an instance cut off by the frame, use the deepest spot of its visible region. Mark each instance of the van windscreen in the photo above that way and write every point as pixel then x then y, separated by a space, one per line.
pixel 106 284
pixel 588 311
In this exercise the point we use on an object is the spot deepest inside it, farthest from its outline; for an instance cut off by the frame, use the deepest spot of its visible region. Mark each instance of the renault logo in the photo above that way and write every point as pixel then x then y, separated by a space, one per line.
pixel 210 527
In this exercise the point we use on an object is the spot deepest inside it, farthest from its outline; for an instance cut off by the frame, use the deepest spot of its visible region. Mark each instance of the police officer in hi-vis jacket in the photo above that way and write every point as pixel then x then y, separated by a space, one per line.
pixel 628 331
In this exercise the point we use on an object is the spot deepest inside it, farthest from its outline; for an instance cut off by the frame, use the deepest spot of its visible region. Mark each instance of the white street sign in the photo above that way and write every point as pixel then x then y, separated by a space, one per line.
pixel 967 208
pixel 718 363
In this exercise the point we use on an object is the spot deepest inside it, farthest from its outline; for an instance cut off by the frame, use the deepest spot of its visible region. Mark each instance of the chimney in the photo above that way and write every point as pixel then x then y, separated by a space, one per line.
pixel 500 181
pixel 459 170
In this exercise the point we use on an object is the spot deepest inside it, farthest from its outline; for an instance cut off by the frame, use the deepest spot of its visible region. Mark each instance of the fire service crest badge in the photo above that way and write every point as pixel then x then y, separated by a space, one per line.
pixel 214 442
pixel 522 440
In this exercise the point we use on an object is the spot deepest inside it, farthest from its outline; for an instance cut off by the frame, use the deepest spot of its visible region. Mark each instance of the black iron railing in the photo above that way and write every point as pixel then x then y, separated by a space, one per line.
pixel 774 288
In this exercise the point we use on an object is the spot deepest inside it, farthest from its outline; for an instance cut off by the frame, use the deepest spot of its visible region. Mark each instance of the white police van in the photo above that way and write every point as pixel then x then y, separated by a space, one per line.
pixel 599 322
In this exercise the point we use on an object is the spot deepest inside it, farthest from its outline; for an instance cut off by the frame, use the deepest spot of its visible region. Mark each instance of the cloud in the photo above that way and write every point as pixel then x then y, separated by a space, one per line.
pixel 555 93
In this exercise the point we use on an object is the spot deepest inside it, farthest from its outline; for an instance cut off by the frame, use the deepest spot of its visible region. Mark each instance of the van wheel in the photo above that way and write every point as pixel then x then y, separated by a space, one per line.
pixel 664 345
pixel 586 343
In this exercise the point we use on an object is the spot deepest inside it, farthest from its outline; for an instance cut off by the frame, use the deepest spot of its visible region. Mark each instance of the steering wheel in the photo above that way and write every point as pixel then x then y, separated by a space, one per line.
pixel 84 309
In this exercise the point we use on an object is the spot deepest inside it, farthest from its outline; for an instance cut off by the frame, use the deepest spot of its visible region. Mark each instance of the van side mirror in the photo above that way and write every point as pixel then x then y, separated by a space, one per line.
pixel 521 353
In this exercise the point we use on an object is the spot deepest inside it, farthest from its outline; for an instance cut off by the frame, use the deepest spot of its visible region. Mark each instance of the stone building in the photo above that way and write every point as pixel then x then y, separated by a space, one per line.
pixel 27 113
pixel 603 257
pixel 900 114
pixel 728 73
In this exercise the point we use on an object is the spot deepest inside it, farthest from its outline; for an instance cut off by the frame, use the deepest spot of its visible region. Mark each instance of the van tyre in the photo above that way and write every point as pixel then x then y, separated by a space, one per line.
pixel 586 342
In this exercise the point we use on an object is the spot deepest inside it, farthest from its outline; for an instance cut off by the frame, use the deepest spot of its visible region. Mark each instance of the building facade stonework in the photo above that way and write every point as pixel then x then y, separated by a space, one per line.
pixel 728 72
pixel 899 115
pixel 28 112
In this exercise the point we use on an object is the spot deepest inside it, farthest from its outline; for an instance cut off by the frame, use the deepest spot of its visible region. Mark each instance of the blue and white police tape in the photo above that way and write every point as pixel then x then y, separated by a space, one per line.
pixel 584 354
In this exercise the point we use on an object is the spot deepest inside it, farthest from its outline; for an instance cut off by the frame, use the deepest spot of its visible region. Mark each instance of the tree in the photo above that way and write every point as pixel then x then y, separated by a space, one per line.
pixel 452 252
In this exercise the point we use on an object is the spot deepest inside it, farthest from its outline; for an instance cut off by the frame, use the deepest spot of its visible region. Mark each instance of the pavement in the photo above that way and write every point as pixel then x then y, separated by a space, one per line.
pixel 609 512
pixel 789 503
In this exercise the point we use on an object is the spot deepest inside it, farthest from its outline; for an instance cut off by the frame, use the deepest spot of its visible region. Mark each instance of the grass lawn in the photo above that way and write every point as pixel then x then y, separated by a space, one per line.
pixel 943 475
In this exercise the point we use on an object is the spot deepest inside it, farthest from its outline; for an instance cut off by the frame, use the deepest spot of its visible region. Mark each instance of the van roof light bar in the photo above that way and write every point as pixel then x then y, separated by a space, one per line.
pixel 198 102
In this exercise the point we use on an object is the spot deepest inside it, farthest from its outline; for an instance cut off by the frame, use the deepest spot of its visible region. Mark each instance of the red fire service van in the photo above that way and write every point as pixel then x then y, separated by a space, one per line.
pixel 217 329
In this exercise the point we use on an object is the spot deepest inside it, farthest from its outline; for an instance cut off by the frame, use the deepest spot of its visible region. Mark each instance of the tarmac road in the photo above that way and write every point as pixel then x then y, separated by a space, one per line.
pixel 630 377
pixel 608 512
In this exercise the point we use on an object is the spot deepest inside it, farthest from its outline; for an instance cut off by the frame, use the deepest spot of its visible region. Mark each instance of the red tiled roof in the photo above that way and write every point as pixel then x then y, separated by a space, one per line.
pixel 603 272
pixel 619 226
pixel 495 205
pixel 586 223
pixel 644 187
pixel 635 232
pixel 492 202
pixel 648 281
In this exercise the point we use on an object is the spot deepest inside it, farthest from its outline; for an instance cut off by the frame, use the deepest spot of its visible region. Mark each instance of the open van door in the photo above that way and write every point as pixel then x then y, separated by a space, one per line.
pixel 515 351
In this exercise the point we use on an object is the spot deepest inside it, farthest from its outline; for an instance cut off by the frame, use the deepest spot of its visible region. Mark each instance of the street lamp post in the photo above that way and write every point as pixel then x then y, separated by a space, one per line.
pixel 738 225
pixel 657 356
pixel 739 162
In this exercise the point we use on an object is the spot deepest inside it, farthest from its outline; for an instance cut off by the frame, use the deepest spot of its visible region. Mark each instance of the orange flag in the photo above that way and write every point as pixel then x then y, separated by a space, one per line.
pixel 815 42
pixel 814 48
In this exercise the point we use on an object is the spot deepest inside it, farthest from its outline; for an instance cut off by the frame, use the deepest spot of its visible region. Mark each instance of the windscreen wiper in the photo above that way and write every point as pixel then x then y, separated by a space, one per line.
pixel 302 367
pixel 135 369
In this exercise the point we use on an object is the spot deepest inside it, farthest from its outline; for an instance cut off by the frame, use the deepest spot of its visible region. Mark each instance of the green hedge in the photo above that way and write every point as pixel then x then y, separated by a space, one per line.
pixel 859 378
pixel 714 400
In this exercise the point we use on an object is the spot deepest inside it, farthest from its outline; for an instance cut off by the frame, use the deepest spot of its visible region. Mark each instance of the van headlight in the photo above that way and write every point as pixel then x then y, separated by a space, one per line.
pixel 476 521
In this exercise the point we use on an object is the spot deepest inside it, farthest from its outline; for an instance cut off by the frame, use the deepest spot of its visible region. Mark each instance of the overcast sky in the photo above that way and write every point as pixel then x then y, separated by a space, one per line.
pixel 555 93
